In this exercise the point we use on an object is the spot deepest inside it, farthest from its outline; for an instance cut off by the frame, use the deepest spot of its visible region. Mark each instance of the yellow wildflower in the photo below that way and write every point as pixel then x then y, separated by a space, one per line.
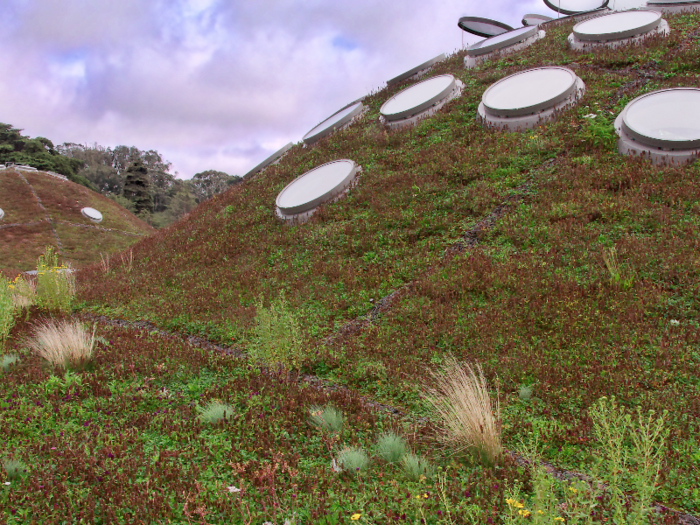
pixel 524 513
pixel 518 505
pixel 510 501
pixel 558 519
pixel 572 489
pixel 425 496
pixel 356 516
pixel 540 512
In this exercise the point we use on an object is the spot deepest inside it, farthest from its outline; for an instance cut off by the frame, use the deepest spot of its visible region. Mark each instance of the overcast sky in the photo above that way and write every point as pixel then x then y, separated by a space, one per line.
pixel 213 84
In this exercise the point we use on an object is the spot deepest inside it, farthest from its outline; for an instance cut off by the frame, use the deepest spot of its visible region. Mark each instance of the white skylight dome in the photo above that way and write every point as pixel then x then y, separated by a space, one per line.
pixel 526 99
pixel 674 6
pixel 22 167
pixel 417 71
pixel 483 27
pixel 419 101
pixel 616 29
pixel 535 19
pixel 272 159
pixel 663 125
pixel 504 43
pixel 92 214
pixel 575 7
pixel 301 198
pixel 337 121
pixel 2 214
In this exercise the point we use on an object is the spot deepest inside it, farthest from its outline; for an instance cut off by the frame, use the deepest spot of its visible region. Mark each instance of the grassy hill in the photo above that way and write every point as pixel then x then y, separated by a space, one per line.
pixel 44 210
pixel 567 271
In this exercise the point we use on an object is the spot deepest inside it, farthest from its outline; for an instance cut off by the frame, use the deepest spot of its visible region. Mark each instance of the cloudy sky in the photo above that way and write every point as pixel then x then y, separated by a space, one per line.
pixel 214 84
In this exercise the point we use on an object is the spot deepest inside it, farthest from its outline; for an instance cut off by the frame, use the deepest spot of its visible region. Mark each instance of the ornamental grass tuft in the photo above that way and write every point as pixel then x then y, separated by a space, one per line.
pixel 391 447
pixel 15 469
pixel 459 398
pixel 7 311
pixel 215 411
pixel 416 467
pixel 327 419
pixel 7 361
pixel 353 459
pixel 64 343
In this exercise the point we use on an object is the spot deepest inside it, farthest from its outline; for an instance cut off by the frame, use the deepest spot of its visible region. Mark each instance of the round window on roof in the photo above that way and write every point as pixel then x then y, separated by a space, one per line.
pixel 535 20
pixel 416 71
pixel 301 198
pixel 335 122
pixel 483 27
pixel 616 29
pixel 663 125
pixel 92 214
pixel 419 100
pixel 272 159
pixel 674 6
pixel 574 7
pixel 504 43
pixel 2 214
pixel 524 100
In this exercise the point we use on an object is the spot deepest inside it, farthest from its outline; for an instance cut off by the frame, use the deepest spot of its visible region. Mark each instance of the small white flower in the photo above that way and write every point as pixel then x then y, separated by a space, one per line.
pixel 231 488
pixel 7 483
pixel 590 115
pixel 675 322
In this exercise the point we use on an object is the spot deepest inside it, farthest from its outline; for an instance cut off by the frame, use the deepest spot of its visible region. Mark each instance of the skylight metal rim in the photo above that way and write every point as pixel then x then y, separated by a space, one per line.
pixel 675 145
pixel 328 130
pixel 503 44
pixel 2 214
pixel 415 110
pixel 557 9
pixel 536 108
pixel 417 69
pixel 290 211
pixel 544 19
pixel 619 35
pixel 481 20
pixel 86 214
pixel 269 160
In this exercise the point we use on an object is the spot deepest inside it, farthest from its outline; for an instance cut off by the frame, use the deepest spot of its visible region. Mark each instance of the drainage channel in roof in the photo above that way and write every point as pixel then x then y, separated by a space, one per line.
pixel 483 27
pixel 617 29
pixel 417 71
pixel 535 19
pixel 674 6
pixel 663 125
pixel 272 159
pixel 419 101
pixel 335 122
pixel 526 99
pixel 504 43
pixel 92 214
pixel 300 199
pixel 575 7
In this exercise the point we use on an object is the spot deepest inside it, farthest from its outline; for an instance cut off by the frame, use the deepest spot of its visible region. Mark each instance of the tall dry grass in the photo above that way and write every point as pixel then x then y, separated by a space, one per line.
pixel 63 343
pixel 459 398
pixel 24 293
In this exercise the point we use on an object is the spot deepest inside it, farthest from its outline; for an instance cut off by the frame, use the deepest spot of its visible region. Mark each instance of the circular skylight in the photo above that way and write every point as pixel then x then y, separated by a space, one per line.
pixel 675 6
pixel 334 122
pixel 616 26
pixel 523 100
pixel 501 41
pixel 535 20
pixel 268 161
pixel 301 197
pixel 573 7
pixel 25 168
pixel 416 70
pixel 92 214
pixel 2 214
pixel 418 100
pixel 484 27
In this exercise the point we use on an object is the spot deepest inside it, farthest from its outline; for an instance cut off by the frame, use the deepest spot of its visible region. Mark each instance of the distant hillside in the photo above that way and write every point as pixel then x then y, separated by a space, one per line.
pixel 42 210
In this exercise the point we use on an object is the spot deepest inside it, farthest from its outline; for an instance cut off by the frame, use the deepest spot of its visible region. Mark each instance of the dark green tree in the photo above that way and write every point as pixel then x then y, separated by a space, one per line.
pixel 137 187
pixel 208 183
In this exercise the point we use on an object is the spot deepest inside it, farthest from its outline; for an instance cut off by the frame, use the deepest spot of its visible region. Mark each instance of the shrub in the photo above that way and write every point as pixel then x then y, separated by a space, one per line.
pixel 328 419
pixel 15 469
pixel 391 447
pixel 7 361
pixel 214 411
pixel 7 310
pixel 416 467
pixel 353 459
pixel 278 334
pixel 65 344
pixel 460 399
pixel 55 284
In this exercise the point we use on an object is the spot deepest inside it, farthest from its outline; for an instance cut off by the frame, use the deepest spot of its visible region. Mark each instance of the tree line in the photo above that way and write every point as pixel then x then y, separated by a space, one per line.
pixel 139 180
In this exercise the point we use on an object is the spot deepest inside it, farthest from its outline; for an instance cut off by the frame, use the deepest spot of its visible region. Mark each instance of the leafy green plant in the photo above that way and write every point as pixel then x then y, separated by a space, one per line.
pixel 353 459
pixel 416 467
pixel 391 447
pixel 327 419
pixel 64 343
pixel 599 131
pixel 278 333
pixel 7 361
pixel 14 468
pixel 215 411
pixel 55 283
pixel 7 310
